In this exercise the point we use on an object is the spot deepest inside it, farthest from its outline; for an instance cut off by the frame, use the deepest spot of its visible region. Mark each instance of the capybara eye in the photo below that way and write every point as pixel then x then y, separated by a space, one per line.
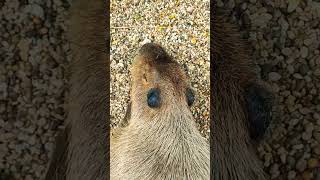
pixel 153 98
pixel 190 96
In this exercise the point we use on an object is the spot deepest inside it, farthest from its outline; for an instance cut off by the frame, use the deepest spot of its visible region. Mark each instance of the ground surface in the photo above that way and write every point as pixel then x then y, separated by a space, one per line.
pixel 32 84
pixel 285 37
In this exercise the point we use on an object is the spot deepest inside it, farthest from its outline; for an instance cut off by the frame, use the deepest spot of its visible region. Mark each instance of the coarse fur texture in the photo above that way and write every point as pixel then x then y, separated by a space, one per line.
pixel 163 142
pixel 239 112
pixel 82 151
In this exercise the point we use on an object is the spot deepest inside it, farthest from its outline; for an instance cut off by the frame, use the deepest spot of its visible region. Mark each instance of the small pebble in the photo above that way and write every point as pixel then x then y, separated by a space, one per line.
pixel 274 76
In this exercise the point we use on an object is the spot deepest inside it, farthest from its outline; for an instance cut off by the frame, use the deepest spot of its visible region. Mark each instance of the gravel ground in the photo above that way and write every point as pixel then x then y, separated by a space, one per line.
pixel 285 37
pixel 32 84
pixel 182 27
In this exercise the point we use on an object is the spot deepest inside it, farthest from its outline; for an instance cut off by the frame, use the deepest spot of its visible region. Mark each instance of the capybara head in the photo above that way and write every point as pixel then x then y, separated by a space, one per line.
pixel 158 82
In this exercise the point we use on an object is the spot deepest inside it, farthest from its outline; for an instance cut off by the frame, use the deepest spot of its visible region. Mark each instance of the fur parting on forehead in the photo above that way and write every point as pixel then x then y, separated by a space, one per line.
pixel 156 77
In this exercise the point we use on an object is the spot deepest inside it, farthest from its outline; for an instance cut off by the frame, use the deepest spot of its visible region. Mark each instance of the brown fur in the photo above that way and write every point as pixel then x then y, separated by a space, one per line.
pixel 233 153
pixel 82 149
pixel 159 143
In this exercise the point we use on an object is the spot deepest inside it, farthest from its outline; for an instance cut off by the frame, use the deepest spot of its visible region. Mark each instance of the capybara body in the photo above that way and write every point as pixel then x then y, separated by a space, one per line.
pixel 82 151
pixel 159 142
pixel 240 110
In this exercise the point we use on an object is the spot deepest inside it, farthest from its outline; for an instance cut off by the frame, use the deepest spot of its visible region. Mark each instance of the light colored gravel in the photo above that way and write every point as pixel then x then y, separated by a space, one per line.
pixel 32 84
pixel 285 37
pixel 181 27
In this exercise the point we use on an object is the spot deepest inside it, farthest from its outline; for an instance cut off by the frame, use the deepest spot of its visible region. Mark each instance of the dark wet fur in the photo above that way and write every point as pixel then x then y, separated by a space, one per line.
pixel 156 52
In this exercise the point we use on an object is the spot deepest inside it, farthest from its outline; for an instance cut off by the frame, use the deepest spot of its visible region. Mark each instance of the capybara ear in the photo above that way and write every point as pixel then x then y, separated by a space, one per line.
pixel 259 110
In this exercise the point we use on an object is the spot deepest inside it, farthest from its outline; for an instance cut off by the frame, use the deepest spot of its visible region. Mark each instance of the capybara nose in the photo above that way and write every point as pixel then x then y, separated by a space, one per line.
pixel 154 52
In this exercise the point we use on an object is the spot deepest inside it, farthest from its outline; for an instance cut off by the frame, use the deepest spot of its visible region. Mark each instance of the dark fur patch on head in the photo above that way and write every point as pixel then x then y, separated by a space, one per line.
pixel 155 52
